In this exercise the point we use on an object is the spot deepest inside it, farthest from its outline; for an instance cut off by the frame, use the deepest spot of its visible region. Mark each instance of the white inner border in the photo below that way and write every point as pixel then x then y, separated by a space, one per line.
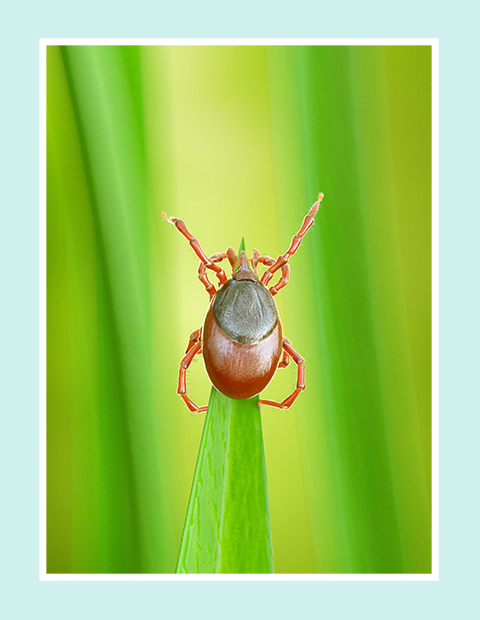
pixel 43 575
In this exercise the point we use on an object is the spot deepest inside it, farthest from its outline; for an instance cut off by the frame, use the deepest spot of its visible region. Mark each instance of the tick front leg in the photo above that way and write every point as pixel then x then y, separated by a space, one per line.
pixel 298 359
pixel 194 347
pixel 281 262
pixel 216 258
pixel 181 227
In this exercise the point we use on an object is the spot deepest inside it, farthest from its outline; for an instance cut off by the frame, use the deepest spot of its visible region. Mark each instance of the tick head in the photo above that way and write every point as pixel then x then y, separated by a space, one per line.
pixel 244 272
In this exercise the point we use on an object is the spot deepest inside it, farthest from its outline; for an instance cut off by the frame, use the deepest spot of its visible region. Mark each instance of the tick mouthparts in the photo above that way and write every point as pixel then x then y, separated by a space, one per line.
pixel 244 272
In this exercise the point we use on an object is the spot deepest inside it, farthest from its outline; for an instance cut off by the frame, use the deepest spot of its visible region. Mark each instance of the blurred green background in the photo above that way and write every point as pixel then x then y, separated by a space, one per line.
pixel 238 141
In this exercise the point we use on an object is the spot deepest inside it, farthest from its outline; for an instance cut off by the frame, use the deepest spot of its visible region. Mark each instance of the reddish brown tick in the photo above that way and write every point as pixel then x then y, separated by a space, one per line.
pixel 241 339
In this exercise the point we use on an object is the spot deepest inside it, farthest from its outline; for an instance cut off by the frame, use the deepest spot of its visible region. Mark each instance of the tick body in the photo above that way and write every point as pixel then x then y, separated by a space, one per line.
pixel 241 339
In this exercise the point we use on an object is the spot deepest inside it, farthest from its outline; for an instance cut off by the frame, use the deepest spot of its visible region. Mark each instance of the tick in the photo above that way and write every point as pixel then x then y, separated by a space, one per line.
pixel 241 339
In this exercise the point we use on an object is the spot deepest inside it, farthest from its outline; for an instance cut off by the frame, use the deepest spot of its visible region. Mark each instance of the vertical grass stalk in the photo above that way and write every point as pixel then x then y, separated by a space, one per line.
pixel 227 528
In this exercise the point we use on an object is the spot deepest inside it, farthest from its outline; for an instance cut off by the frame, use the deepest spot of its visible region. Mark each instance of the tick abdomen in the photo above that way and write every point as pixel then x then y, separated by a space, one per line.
pixel 242 339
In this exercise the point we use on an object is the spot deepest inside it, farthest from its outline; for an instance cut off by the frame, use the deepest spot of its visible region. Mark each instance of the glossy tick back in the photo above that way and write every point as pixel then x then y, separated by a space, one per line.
pixel 241 339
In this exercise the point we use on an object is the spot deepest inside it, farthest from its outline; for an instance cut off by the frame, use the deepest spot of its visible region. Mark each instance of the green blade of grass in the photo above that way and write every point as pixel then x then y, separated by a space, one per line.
pixel 227 528
pixel 109 131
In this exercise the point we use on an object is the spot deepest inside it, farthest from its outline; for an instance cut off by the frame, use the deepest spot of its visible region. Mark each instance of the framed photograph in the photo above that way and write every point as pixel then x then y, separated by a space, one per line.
pixel 239 140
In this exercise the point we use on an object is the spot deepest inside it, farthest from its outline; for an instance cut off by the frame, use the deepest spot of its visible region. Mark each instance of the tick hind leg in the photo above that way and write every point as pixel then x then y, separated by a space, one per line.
pixel 289 351
pixel 281 262
pixel 195 337
pixel 285 361
pixel 194 348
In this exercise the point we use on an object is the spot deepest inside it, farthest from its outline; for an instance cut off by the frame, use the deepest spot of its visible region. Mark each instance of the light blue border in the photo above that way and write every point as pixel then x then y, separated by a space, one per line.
pixel 24 596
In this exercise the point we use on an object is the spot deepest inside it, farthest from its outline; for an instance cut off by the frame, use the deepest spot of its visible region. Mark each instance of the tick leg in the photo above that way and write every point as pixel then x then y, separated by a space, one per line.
pixel 202 276
pixel 216 258
pixel 230 254
pixel 281 262
pixel 282 282
pixel 195 337
pixel 298 359
pixel 263 260
pixel 268 261
pixel 285 360
pixel 192 350
pixel 180 225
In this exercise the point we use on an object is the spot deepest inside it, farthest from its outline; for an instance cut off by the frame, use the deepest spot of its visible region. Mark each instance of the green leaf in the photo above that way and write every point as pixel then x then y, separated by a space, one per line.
pixel 227 528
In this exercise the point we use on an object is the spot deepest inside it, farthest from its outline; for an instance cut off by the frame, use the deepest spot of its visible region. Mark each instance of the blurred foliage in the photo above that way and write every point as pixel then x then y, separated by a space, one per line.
pixel 238 141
